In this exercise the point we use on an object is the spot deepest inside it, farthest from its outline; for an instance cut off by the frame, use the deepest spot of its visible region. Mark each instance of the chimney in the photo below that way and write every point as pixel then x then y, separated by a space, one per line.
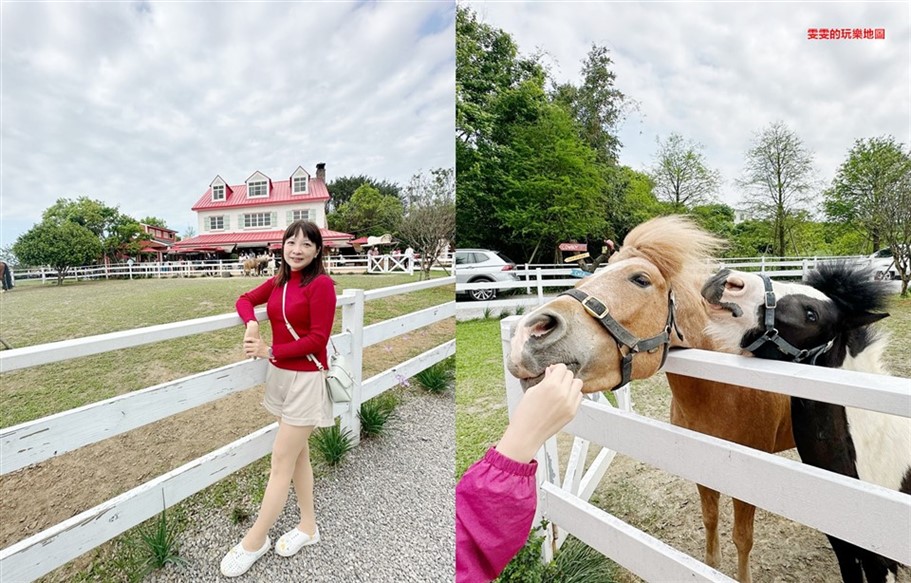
pixel 321 171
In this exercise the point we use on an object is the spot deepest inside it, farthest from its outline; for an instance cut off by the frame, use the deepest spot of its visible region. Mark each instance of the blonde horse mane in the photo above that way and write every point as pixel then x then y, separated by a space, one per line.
pixel 681 250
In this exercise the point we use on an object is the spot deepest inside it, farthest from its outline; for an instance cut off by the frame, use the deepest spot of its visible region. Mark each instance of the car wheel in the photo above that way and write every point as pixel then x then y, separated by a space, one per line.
pixel 482 295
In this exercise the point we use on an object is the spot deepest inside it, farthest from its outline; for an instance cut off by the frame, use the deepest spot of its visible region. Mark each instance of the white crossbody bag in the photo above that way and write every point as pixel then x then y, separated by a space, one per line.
pixel 338 378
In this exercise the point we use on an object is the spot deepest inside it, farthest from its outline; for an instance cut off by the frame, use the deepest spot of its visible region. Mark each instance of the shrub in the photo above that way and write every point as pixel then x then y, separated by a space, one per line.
pixel 436 378
pixel 331 443
pixel 159 544
pixel 376 412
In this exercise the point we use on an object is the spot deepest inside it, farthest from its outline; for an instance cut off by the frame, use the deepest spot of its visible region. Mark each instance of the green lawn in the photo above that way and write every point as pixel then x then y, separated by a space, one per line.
pixel 481 413
pixel 35 314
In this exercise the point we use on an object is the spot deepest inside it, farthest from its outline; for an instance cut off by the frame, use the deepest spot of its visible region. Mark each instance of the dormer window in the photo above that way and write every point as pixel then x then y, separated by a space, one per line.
pixel 300 185
pixel 218 192
pixel 257 188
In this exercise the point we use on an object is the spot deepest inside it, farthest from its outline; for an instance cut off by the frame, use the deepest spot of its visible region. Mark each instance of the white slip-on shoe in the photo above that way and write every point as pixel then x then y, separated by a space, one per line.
pixel 239 560
pixel 294 540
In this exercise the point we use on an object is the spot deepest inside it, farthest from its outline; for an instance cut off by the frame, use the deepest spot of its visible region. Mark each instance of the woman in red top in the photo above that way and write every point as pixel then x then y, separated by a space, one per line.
pixel 295 387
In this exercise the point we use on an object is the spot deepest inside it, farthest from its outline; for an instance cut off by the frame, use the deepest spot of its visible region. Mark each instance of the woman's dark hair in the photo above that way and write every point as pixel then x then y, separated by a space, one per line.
pixel 315 268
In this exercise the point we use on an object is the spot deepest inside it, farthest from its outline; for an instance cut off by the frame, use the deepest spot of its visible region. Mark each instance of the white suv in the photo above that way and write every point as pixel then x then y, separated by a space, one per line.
pixel 483 265
pixel 883 265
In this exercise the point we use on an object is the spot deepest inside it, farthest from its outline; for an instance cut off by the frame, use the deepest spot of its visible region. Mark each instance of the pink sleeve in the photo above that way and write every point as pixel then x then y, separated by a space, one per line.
pixel 255 297
pixel 322 314
pixel 495 505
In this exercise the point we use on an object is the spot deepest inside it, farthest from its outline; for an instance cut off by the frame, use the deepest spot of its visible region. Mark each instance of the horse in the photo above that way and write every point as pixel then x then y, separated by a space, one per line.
pixel 256 265
pixel 651 289
pixel 6 280
pixel 826 322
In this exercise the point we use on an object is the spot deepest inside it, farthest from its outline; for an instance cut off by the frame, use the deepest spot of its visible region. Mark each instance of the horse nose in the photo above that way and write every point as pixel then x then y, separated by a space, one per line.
pixel 714 287
pixel 734 285
pixel 545 327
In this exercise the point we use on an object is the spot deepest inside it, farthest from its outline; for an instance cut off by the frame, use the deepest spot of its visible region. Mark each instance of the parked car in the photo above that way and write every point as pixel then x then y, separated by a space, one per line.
pixel 883 265
pixel 479 265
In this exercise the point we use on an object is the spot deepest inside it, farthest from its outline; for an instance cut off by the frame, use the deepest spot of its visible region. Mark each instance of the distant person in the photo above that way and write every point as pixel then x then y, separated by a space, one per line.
pixel 497 496
pixel 300 302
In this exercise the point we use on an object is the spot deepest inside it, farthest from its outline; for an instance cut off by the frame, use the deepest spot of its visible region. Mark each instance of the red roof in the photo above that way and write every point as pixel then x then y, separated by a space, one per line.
pixel 263 237
pixel 279 193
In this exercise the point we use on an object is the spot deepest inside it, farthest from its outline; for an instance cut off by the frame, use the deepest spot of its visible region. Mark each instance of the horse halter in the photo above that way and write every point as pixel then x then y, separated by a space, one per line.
pixel 624 337
pixel 771 332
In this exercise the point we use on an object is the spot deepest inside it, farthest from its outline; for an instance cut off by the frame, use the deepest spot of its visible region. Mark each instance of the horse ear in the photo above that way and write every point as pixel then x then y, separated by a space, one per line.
pixel 863 319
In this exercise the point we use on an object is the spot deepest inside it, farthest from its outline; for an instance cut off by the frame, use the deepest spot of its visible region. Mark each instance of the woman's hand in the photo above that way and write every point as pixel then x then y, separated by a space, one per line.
pixel 256 348
pixel 543 411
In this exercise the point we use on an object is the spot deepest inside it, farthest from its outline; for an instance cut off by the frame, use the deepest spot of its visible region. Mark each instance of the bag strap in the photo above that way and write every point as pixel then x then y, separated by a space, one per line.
pixel 290 328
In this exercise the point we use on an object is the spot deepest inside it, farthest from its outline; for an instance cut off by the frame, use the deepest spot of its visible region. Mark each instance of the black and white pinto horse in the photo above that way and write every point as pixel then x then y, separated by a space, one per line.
pixel 827 323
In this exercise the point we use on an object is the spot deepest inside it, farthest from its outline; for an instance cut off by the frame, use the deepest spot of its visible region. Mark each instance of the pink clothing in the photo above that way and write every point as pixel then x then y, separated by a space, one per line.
pixel 495 505
pixel 310 309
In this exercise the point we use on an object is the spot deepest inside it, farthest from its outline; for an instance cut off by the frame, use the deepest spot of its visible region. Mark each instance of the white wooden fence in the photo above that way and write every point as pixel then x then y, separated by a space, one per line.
pixel 39 440
pixel 865 514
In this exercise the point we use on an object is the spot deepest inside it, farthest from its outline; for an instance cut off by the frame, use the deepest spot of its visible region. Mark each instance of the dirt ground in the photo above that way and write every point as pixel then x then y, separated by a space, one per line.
pixel 44 494
pixel 668 508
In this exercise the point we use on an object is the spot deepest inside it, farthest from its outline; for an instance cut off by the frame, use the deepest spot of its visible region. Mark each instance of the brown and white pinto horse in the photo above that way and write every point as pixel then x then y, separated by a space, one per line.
pixel 661 256
pixel 826 322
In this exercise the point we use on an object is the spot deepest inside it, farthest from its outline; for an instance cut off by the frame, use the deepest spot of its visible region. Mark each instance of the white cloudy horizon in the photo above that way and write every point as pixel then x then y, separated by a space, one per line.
pixel 718 73
pixel 140 105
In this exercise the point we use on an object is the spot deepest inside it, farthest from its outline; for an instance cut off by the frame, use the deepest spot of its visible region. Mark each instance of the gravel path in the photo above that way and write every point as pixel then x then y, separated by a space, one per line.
pixel 386 514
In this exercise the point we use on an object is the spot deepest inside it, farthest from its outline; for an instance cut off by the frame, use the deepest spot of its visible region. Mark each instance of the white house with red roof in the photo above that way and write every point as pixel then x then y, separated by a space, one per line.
pixel 255 214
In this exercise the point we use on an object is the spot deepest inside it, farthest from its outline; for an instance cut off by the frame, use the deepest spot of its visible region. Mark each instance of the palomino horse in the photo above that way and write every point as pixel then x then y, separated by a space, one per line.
pixel 662 262
pixel 826 323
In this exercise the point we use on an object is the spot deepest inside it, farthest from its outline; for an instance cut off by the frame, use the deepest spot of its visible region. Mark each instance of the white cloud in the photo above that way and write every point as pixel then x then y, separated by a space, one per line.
pixel 141 105
pixel 719 72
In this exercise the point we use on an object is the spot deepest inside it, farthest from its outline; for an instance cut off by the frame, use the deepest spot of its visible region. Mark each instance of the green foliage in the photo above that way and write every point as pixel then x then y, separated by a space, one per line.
pixel 59 244
pixel 429 221
pixel 159 544
pixel 154 221
pixel 436 378
pixel 342 189
pixel 367 213
pixel 239 514
pixel 332 444
pixel 376 412
pixel 715 218
pixel 575 562
pixel 118 233
pixel 681 175
pixel 778 180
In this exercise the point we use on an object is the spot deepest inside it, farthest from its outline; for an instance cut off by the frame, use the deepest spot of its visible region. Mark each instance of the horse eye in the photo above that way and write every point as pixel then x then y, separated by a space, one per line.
pixel 641 280
pixel 811 315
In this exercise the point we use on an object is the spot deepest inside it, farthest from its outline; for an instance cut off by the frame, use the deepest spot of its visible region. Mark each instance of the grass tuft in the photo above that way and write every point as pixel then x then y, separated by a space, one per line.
pixel 159 544
pixel 487 313
pixel 520 310
pixel 575 562
pixel 376 412
pixel 239 514
pixel 332 444
pixel 437 378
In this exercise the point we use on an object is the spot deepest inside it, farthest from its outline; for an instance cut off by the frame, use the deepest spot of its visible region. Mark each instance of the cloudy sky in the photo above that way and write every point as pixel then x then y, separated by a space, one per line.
pixel 141 104
pixel 719 72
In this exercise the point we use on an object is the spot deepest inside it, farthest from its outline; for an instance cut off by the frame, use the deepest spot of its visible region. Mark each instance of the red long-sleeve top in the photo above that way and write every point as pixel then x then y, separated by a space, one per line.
pixel 310 309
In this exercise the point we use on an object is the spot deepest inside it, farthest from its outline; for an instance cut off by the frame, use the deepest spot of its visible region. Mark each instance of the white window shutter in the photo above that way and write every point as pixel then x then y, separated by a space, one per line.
pixel 227 222
pixel 274 219
pixel 290 217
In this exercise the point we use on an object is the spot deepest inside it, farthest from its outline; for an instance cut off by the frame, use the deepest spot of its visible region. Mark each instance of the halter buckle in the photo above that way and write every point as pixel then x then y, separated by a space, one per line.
pixel 770 302
pixel 591 311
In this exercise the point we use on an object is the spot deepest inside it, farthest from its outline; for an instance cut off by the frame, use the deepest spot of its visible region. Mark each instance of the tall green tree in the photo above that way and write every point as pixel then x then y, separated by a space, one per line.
pixel 342 189
pixel 154 221
pixel 60 244
pixel 596 104
pixel 873 168
pixel 778 180
pixel 368 213
pixel 682 177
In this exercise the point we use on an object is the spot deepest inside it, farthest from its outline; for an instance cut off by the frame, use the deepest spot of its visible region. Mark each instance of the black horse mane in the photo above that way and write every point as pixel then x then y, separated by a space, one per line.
pixel 850 286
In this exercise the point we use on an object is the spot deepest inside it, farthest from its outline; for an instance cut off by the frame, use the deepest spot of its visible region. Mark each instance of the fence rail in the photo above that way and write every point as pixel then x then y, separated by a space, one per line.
pixel 865 514
pixel 41 439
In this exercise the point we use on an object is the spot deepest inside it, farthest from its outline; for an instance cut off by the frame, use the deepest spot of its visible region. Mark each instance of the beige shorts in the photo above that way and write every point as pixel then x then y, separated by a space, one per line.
pixel 298 398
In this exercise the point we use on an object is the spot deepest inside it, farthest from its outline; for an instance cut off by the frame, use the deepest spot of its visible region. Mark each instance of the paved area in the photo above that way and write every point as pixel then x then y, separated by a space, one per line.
pixel 386 514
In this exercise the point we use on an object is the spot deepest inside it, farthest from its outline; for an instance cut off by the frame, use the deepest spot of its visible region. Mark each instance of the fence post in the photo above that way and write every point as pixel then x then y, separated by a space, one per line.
pixel 540 286
pixel 547 457
pixel 527 278
pixel 353 322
